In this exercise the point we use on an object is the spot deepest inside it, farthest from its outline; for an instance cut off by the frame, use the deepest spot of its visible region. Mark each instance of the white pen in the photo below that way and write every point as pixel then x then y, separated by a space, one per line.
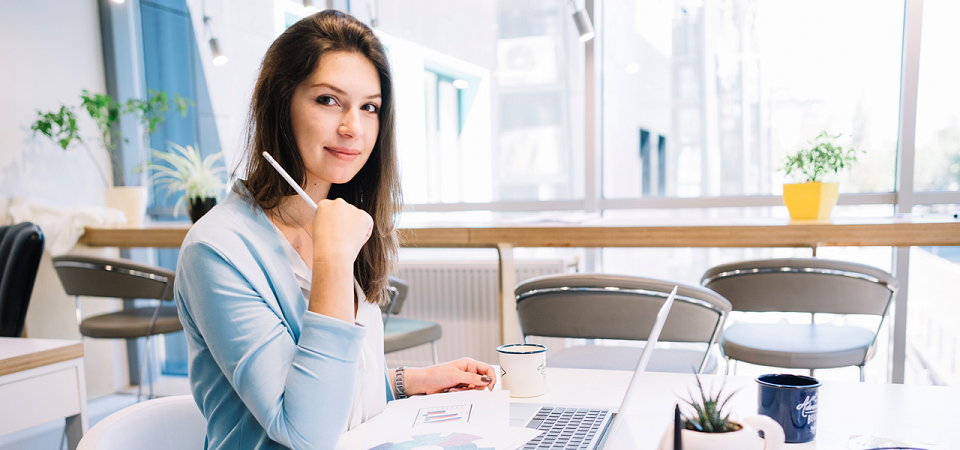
pixel 293 184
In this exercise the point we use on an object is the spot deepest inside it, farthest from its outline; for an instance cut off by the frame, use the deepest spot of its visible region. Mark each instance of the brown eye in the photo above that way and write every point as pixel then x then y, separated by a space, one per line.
pixel 326 100
pixel 371 108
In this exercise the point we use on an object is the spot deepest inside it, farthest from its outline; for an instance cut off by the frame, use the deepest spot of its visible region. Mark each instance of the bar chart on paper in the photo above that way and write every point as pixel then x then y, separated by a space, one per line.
pixel 443 415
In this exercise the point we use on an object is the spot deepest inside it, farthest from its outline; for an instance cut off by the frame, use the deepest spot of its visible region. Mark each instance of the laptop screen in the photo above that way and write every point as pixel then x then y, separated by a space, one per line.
pixel 629 403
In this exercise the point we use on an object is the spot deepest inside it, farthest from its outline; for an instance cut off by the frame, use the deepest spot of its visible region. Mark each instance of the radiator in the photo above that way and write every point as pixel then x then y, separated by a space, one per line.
pixel 463 297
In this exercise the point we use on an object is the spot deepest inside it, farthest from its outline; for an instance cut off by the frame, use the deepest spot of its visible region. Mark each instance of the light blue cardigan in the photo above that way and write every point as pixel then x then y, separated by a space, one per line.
pixel 264 371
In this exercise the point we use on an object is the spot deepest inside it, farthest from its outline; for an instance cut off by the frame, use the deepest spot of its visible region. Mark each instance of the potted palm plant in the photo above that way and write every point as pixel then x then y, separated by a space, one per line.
pixel 709 427
pixel 61 126
pixel 814 199
pixel 200 179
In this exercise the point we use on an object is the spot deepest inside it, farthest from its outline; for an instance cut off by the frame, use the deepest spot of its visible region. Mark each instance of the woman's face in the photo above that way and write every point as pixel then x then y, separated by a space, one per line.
pixel 335 118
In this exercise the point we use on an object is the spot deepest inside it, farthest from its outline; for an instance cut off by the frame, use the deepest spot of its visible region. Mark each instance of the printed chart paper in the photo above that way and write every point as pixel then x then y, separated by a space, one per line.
pixel 469 420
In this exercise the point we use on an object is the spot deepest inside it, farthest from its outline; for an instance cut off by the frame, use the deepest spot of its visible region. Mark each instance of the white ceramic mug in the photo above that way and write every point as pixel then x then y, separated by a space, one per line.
pixel 745 439
pixel 523 369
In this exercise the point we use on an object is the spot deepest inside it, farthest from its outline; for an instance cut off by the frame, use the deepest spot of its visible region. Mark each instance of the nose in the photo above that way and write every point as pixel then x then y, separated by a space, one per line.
pixel 350 124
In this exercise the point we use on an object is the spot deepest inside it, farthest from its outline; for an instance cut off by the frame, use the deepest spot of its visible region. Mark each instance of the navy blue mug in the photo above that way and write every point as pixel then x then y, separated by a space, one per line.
pixel 791 400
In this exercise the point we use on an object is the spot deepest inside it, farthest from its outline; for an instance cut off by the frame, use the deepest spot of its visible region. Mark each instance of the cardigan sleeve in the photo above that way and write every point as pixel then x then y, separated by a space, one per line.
pixel 301 392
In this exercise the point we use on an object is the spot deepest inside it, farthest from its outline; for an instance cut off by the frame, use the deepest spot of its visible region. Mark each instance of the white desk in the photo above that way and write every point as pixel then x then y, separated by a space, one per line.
pixel 908 413
pixel 42 380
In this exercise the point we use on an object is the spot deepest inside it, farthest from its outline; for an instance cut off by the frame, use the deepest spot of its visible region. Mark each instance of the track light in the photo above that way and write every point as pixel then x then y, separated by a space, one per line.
pixel 584 26
pixel 219 59
pixel 308 7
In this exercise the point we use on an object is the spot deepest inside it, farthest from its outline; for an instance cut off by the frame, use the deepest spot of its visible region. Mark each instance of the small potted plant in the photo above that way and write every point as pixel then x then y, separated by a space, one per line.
pixel 709 427
pixel 814 199
pixel 200 179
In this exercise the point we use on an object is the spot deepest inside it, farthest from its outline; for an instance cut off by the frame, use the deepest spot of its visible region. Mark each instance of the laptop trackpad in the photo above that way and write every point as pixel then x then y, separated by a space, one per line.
pixel 521 413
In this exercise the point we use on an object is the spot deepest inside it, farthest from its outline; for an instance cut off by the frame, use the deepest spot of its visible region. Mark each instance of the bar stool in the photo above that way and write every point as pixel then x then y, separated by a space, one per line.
pixel 120 278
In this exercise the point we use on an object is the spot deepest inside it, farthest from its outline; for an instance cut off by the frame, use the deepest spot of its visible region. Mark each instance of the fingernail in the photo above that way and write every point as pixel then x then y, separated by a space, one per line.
pixel 486 379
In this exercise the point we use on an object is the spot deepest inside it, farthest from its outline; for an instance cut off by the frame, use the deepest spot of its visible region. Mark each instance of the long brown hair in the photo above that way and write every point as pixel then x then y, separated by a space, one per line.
pixel 291 59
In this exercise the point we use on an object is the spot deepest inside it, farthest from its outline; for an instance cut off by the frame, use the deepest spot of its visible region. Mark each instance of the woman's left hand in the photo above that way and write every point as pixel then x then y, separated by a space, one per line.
pixel 462 374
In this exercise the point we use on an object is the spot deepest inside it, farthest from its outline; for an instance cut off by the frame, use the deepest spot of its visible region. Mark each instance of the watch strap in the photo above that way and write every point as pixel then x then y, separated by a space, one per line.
pixel 398 381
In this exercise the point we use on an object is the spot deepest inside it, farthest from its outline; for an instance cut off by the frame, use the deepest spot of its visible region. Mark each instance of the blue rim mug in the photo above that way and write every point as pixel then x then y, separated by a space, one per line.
pixel 792 401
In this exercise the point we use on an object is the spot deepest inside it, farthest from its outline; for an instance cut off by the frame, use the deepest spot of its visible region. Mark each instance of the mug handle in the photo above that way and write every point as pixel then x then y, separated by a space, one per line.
pixel 773 436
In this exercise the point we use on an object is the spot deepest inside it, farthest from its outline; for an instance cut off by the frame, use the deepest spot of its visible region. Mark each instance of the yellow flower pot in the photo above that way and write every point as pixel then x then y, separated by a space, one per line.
pixel 811 200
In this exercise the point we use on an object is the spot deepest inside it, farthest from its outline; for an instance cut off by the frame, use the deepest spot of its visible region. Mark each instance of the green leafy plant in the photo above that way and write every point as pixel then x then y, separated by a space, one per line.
pixel 152 112
pixel 61 125
pixel 105 111
pixel 823 157
pixel 189 173
pixel 708 414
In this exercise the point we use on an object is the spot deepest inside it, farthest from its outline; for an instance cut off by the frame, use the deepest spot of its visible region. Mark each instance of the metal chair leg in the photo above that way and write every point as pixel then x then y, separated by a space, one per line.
pixel 433 349
pixel 861 373
pixel 726 369
pixel 140 370
pixel 811 372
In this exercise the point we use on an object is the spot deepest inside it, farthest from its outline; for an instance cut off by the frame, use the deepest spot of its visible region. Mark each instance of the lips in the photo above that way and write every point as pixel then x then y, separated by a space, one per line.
pixel 343 153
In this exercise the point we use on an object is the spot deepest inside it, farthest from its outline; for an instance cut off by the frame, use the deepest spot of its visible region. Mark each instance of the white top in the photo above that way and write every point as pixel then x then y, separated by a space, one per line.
pixel 371 397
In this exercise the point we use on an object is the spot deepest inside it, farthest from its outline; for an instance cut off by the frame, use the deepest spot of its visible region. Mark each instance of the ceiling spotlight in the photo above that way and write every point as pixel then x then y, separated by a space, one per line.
pixel 583 25
pixel 219 59
pixel 308 7
pixel 118 1
pixel 460 84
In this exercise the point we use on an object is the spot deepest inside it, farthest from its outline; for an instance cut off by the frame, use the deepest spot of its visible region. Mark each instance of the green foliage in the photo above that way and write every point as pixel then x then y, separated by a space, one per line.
pixel 709 417
pixel 152 112
pixel 60 126
pixel 823 157
pixel 105 111
pixel 188 173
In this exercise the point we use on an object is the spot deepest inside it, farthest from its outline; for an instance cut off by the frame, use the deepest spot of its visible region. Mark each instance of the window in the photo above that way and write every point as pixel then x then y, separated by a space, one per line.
pixel 937 166
pixel 731 87
pixel 521 121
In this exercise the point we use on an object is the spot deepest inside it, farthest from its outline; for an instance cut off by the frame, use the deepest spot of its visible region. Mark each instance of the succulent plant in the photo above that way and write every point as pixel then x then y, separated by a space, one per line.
pixel 709 416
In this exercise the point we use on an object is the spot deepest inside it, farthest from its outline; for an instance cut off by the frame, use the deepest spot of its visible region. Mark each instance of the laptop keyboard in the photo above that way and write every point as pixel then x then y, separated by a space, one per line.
pixel 565 428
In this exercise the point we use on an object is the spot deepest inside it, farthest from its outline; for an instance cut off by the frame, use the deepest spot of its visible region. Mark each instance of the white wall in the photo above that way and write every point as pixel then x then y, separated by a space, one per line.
pixel 51 51
pixel 244 31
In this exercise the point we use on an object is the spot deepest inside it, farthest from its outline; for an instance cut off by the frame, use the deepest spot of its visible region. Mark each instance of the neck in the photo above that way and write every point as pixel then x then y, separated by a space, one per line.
pixel 316 189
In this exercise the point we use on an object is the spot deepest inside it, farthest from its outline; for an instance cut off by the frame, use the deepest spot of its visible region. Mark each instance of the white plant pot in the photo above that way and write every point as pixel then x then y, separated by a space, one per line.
pixel 132 200
pixel 745 439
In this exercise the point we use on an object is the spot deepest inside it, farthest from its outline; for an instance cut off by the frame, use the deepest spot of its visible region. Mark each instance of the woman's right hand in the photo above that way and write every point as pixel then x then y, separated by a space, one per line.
pixel 339 232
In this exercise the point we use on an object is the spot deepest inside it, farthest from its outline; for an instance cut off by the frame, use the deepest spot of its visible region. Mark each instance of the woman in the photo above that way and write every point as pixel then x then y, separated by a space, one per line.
pixel 278 302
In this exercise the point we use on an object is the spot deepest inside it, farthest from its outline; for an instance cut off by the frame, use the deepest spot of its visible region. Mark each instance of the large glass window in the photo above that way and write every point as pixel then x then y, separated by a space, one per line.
pixel 706 98
pixel 490 100
pixel 937 165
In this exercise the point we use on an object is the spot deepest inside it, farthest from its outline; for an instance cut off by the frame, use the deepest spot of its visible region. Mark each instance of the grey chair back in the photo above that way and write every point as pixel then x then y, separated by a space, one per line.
pixel 397 293
pixel 116 278
pixel 601 306
pixel 21 248
pixel 805 285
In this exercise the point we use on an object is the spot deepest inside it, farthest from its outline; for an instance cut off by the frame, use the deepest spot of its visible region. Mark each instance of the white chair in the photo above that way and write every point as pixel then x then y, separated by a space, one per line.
pixel 159 424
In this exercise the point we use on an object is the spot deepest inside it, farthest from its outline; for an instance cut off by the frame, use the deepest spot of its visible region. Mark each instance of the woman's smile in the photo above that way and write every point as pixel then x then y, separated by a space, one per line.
pixel 343 153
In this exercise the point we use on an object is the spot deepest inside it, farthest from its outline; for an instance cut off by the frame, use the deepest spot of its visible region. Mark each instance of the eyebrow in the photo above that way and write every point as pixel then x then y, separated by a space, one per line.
pixel 341 91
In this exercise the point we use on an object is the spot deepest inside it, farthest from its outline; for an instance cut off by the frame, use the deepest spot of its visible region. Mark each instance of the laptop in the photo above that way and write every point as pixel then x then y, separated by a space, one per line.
pixel 586 428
